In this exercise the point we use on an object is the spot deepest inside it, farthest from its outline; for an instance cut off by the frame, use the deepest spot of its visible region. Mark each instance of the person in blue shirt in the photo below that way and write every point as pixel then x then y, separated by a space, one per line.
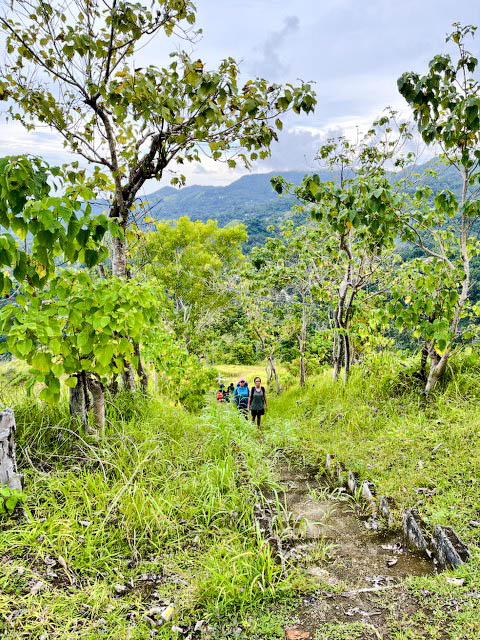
pixel 241 396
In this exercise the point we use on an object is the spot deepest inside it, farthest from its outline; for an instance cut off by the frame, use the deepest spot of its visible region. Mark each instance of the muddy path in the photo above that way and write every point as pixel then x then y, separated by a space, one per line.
pixel 360 573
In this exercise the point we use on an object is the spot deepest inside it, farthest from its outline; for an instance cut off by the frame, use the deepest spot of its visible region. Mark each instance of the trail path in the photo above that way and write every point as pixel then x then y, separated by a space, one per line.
pixel 366 569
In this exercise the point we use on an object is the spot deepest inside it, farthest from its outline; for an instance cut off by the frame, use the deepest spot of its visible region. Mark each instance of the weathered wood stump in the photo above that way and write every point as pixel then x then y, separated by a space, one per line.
pixel 412 530
pixel 449 550
pixel 368 493
pixel 384 508
pixel 352 482
pixel 340 471
pixel 8 461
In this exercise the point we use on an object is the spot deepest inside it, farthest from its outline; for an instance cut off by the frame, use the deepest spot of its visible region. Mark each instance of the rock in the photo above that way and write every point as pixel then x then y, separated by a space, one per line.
pixel 449 550
pixel 294 633
pixel 384 508
pixel 329 463
pixel 412 530
pixel 457 582
pixel 37 587
pixel 474 523
pixel 323 575
pixel 120 589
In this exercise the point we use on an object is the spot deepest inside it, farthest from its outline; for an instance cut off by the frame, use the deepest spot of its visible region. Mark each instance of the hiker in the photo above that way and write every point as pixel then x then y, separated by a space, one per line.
pixel 229 392
pixel 257 401
pixel 221 393
pixel 240 396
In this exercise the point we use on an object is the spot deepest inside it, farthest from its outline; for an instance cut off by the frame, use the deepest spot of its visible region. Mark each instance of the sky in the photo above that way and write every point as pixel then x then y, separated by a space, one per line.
pixel 353 51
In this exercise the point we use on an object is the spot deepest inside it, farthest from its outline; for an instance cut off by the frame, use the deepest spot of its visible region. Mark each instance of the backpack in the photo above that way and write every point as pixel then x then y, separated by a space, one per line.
pixel 219 396
pixel 252 390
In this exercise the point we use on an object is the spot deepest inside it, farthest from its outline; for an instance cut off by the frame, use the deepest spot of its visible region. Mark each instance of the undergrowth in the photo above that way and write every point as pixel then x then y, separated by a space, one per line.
pixel 162 510
pixel 423 453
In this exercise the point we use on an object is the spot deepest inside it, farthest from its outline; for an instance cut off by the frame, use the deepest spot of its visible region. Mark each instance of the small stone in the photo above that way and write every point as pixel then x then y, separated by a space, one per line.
pixel 37 587
pixel 294 633
pixel 456 582
pixel 474 523
pixel 391 562
pixel 176 629
pixel 84 523
pixel 120 589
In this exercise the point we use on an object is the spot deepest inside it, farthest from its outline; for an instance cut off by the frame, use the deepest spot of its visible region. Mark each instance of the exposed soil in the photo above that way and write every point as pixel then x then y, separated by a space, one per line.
pixel 361 580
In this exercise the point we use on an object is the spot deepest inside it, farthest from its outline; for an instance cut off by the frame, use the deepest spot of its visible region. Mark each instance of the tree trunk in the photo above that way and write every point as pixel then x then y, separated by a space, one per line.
pixel 79 400
pixel 273 370
pixel 128 377
pixel 337 355
pixel 302 340
pixel 113 386
pixel 97 390
pixel 423 363
pixel 437 367
pixel 119 257
pixel 439 364
pixel 347 357
pixel 142 374
pixel 8 461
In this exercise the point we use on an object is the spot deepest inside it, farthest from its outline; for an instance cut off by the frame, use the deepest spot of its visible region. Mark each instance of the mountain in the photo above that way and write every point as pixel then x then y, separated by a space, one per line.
pixel 252 201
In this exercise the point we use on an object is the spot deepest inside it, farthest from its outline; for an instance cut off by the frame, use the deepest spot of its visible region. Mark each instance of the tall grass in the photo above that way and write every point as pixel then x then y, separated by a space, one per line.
pixel 161 494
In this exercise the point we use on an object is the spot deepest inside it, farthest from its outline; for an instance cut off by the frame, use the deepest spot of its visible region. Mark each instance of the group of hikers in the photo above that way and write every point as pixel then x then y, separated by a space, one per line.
pixel 246 400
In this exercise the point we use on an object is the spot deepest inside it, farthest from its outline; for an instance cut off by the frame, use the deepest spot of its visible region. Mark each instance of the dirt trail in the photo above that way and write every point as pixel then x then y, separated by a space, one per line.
pixel 365 568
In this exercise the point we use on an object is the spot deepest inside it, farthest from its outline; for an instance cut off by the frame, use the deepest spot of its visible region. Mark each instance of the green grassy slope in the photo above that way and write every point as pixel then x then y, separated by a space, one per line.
pixel 380 427
pixel 163 509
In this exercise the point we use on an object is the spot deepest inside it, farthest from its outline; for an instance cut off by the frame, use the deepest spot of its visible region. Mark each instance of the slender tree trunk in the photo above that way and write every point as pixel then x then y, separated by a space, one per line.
pixel 347 357
pixel 97 390
pixel 128 377
pixel 113 386
pixel 142 374
pixel 337 355
pixel 423 363
pixel 302 340
pixel 439 364
pixel 273 371
pixel 79 400
pixel 8 461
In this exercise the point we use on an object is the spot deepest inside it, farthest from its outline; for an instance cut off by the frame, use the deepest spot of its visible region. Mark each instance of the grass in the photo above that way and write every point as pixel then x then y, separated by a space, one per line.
pixel 423 454
pixel 166 494
pixel 162 510
pixel 232 372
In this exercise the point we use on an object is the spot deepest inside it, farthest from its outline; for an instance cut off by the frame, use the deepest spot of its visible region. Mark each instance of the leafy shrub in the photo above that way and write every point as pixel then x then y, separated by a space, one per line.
pixel 9 499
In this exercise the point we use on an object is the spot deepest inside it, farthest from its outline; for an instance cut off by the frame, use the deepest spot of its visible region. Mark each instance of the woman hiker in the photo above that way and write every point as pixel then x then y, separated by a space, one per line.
pixel 241 396
pixel 257 401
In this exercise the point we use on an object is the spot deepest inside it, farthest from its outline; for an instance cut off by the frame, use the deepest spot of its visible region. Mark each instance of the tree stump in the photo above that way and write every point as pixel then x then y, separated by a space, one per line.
pixel 448 548
pixel 8 462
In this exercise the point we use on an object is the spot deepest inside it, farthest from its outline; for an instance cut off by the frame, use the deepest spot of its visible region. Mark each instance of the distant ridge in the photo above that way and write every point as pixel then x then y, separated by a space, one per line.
pixel 252 201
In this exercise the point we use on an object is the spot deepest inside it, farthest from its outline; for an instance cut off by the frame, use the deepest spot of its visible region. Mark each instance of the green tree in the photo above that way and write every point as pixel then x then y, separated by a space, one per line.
pixel 38 228
pixel 73 70
pixel 358 217
pixel 446 107
pixel 282 273
pixel 79 329
pixel 193 262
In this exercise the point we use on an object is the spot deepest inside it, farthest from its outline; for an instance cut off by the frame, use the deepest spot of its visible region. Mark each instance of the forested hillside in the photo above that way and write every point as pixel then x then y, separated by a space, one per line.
pixel 252 201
